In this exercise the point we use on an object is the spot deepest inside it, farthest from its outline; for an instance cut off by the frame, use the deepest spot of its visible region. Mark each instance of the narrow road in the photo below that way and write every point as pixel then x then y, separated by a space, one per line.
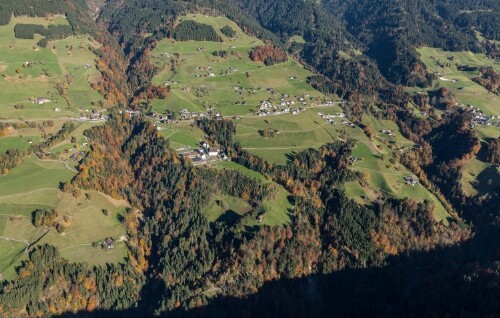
pixel 14 240
pixel 392 173
pixel 60 161
pixel 25 193
pixel 286 131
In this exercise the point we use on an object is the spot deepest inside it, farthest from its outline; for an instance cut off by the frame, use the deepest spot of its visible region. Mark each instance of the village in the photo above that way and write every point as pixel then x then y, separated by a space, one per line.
pixel 93 115
pixel 288 105
pixel 331 119
pixel 204 154
pixel 479 118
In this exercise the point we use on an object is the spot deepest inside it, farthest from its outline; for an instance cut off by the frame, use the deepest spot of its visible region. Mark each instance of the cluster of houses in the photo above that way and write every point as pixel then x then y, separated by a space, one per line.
pixel 205 154
pixel 410 180
pixel 284 105
pixel 331 119
pixel 210 73
pixel 92 115
pixel 327 103
pixel 388 132
pixel 187 115
pixel 480 119
pixel 267 109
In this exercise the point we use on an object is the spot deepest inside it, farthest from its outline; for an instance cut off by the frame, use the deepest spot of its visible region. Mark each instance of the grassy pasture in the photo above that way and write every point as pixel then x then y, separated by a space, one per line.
pixel 35 185
pixel 472 93
pixel 479 178
pixel 182 135
pixel 385 178
pixel 234 85
pixel 296 133
pixel 226 206
pixel 276 207
pixel 17 142
pixel 29 71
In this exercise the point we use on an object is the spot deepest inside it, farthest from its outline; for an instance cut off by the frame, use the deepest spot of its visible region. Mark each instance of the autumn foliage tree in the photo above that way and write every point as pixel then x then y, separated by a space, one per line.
pixel 269 54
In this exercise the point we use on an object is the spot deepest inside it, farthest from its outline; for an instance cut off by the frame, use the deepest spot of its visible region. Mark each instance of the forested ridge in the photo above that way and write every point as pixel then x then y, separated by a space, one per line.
pixel 336 257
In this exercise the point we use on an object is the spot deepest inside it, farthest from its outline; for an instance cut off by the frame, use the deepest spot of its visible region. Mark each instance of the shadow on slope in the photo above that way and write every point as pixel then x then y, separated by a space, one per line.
pixel 451 281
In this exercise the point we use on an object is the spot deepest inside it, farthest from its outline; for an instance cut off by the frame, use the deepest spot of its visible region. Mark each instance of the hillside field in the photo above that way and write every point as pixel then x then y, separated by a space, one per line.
pixel 35 185
pixel 29 72
pixel 469 93
pixel 234 85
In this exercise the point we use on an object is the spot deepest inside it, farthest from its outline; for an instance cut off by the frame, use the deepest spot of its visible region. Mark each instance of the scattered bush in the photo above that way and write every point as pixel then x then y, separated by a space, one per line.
pixel 228 31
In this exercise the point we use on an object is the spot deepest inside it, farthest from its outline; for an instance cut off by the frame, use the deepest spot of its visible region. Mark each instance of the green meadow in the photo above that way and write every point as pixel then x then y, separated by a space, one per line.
pixel 478 177
pixel 276 206
pixel 28 71
pixel 466 91
pixel 35 185
pixel 234 85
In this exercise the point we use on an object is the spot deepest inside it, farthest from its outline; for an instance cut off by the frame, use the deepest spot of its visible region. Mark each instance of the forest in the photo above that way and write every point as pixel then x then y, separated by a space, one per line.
pixel 335 257
pixel 192 30
pixel 52 32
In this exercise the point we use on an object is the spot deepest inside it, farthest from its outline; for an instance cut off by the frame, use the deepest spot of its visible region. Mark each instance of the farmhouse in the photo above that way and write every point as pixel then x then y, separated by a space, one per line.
pixel 190 154
pixel 108 243
pixel 388 132
pixel 213 152
pixel 409 180
pixel 41 100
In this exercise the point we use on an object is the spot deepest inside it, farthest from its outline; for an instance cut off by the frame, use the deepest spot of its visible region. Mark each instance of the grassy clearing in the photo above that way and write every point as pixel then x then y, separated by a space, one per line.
pixel 19 142
pixel 479 178
pixel 249 173
pixel 35 185
pixel 277 207
pixel 297 39
pixel 386 179
pixel 226 208
pixel 182 135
